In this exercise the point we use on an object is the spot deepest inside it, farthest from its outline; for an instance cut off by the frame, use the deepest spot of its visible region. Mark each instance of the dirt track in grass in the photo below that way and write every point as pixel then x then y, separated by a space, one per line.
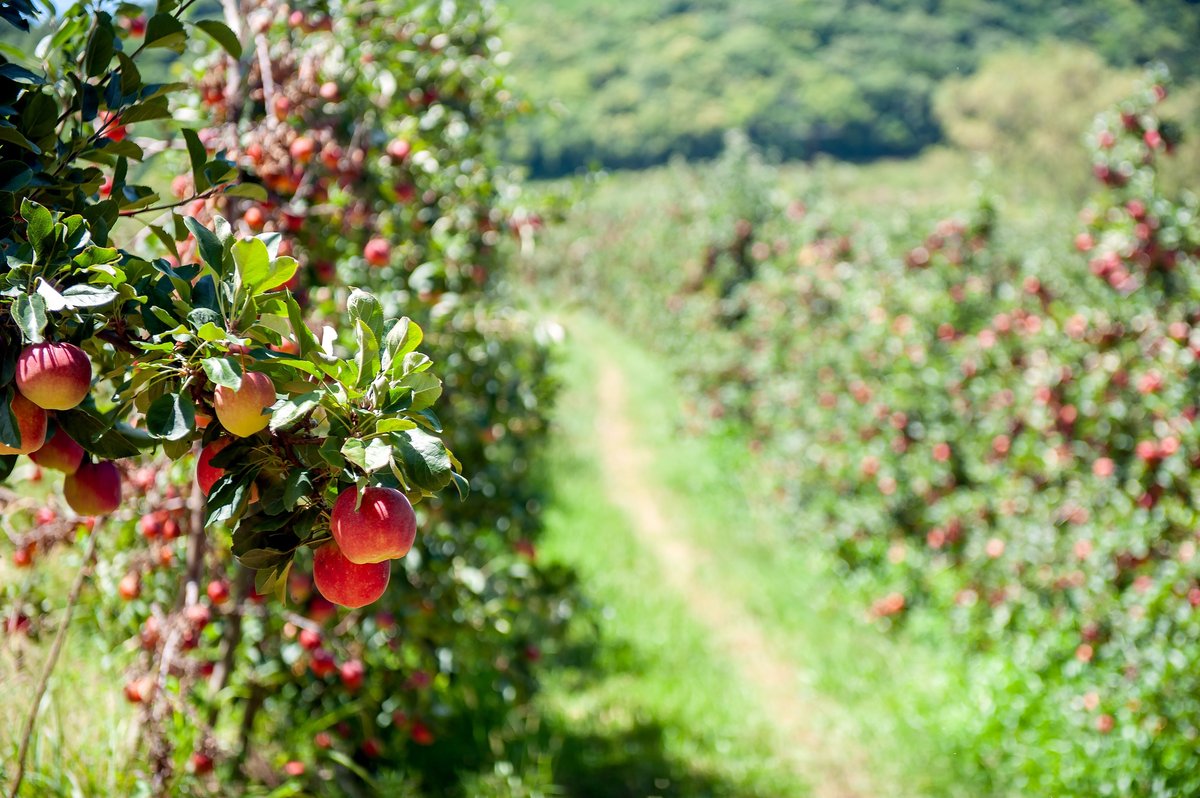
pixel 790 706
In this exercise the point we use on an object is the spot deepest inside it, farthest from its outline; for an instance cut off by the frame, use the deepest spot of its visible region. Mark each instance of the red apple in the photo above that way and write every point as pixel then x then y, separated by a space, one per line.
pixel 60 453
pixel 31 423
pixel 95 489
pixel 54 376
pixel 377 252
pixel 218 591
pixel 382 528
pixel 302 149
pixel 398 149
pixel 309 639
pixel 322 663
pixel 130 586
pixel 207 474
pixel 352 673
pixel 241 411
pixel 346 583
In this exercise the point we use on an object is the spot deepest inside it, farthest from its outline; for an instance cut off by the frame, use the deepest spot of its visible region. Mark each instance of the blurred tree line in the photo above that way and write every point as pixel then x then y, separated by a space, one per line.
pixel 630 84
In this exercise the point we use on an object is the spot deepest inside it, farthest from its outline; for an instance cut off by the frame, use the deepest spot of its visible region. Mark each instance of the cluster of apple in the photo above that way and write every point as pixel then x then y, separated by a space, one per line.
pixel 57 376
pixel 385 144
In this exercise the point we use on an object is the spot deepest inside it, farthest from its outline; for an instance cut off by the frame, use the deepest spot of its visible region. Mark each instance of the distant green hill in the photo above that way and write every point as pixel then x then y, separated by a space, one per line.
pixel 628 83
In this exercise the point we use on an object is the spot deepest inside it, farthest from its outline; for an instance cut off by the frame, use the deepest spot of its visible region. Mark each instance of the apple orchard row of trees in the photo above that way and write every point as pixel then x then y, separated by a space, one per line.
pixel 249 314
pixel 994 433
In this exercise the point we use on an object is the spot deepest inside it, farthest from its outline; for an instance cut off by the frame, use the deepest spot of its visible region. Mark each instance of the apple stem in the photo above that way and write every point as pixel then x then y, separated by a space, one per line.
pixel 60 637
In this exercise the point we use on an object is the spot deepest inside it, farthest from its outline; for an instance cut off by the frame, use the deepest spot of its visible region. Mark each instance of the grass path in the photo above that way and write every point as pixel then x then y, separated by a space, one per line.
pixel 727 659
pixel 629 476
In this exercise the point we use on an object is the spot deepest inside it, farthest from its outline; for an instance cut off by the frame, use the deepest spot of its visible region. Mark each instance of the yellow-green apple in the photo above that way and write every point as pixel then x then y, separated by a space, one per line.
pixel 241 411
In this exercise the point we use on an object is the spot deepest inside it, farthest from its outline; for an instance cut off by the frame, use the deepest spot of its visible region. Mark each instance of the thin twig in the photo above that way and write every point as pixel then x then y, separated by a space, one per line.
pixel 51 661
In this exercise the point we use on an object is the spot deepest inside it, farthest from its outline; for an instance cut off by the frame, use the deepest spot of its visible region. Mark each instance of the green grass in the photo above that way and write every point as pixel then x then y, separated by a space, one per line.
pixel 653 679
pixel 84 735
pixel 646 707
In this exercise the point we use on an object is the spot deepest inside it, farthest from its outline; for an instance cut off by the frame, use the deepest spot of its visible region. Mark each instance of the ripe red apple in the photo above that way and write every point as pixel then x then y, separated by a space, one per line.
pixel 60 453
pixel 254 217
pixel 110 124
pixel 201 763
pixel 322 740
pixel 322 663
pixel 138 690
pixel 420 733
pixel 352 673
pixel 44 515
pixel 398 149
pixel 372 748
pixel 377 252
pixel 95 489
pixel 151 526
pixel 54 376
pixel 130 586
pixel 382 528
pixel 207 474
pixel 346 583
pixel 309 639
pixel 31 423
pixel 302 149
pixel 294 768
pixel 218 591
pixel 241 411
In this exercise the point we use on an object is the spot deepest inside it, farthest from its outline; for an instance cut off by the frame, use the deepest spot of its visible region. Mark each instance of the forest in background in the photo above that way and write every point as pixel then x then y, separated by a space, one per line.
pixel 628 85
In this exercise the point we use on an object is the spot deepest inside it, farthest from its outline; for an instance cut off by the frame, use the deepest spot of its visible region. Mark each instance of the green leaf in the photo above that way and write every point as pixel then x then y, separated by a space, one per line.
pixel 222 35
pixel 367 357
pixel 424 459
pixel 13 136
pixel 209 331
pixel 40 229
pixel 223 371
pixel 100 46
pixel 296 486
pixel 99 437
pixel 29 312
pixel 10 433
pixel 227 499
pixel 282 270
pixel 366 307
pixel 88 296
pixel 403 337
pixel 252 261
pixel 199 157
pixel 19 74
pixel 396 424
pixel 370 457
pixel 293 409
pixel 171 417
pixel 426 389
pixel 212 251
pixel 254 191
pixel 163 30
